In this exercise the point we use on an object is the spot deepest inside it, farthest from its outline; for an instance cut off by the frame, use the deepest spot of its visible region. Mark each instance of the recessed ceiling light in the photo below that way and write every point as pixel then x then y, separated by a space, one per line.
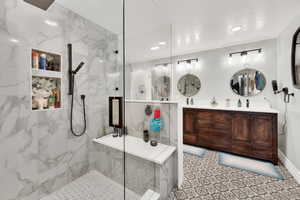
pixel 162 43
pixel 14 40
pixel 100 61
pixel 51 23
pixel 236 29
pixel 154 48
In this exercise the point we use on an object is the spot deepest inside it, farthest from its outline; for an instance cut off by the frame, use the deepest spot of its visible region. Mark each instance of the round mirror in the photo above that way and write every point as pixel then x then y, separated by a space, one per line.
pixel 189 85
pixel 248 82
pixel 296 59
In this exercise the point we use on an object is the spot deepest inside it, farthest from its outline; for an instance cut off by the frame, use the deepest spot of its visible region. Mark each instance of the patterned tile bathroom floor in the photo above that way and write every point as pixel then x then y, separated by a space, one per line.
pixel 205 179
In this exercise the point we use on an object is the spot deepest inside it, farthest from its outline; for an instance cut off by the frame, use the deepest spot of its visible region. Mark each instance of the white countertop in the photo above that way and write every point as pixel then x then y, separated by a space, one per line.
pixel 137 147
pixel 260 109
pixel 150 101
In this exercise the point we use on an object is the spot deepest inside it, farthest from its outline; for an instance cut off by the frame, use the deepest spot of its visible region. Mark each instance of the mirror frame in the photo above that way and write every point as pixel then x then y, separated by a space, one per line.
pixel 185 76
pixel 294 45
pixel 265 78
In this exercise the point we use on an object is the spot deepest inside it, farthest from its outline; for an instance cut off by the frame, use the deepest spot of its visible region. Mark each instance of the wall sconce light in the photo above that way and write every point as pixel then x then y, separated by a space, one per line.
pixel 245 52
pixel 189 61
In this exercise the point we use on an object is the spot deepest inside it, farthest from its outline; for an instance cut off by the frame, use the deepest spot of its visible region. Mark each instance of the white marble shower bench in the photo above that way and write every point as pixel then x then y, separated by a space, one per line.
pixel 137 147
pixel 147 168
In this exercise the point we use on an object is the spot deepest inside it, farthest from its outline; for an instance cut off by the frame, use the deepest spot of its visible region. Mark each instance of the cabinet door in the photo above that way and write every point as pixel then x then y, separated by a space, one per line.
pixel 214 129
pixel 262 136
pixel 262 131
pixel 241 133
pixel 241 128
pixel 189 136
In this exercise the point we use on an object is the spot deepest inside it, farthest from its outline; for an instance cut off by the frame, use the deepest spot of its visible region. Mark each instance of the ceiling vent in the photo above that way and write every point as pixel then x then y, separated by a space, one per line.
pixel 42 4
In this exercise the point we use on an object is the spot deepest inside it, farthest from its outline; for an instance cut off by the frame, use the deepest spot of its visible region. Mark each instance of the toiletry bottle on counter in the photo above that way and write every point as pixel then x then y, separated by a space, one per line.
pixel 43 62
pixel 35 60
pixel 239 103
pixel 192 101
pixel 227 103
pixel 247 103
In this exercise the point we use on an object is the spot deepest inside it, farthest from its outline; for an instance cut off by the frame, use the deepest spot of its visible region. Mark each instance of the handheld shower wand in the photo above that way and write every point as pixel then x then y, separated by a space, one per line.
pixel 72 74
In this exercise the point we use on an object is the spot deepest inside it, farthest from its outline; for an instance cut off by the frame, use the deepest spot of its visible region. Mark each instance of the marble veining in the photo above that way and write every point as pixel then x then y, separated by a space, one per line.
pixel 38 154
pixel 141 174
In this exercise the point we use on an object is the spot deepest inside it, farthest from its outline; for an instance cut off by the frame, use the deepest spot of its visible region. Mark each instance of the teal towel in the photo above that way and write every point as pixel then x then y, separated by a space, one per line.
pixel 156 124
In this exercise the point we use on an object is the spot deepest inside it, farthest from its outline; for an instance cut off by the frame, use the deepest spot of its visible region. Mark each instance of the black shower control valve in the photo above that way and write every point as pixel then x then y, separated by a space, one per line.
pixel 285 90
pixel 82 96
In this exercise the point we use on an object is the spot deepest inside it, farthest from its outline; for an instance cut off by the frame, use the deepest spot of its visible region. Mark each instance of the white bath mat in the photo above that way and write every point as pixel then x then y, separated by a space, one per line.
pixel 197 151
pixel 249 164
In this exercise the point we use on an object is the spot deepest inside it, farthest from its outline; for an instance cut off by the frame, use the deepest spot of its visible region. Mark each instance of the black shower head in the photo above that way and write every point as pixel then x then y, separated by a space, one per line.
pixel 78 68
pixel 42 4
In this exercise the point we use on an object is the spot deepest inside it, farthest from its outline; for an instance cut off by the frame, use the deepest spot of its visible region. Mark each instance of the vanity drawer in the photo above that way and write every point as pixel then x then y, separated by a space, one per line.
pixel 203 115
pixel 211 126
pixel 215 120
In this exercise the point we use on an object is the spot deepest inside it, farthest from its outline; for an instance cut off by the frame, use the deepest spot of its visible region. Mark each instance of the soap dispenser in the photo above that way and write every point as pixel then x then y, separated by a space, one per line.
pixel 239 103
pixel 247 103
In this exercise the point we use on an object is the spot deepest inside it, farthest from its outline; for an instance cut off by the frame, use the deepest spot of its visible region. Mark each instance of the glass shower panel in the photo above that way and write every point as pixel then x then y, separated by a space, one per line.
pixel 40 158
pixel 150 113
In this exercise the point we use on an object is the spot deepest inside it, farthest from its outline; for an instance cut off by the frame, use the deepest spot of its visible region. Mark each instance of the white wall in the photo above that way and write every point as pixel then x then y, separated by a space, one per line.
pixel 289 140
pixel 215 71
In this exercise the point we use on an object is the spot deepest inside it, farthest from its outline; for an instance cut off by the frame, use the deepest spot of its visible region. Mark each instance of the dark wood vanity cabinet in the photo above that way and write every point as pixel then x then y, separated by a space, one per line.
pixel 244 133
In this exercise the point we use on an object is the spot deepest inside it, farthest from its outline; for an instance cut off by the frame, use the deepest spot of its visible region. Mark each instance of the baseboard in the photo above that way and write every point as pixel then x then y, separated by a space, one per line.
pixel 289 165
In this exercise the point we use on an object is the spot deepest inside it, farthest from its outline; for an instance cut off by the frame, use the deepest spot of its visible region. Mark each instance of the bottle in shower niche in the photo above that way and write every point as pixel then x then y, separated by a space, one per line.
pixel 156 126
pixel 43 61
pixel 51 101
pixel 56 95
pixel 35 60
pixel 146 136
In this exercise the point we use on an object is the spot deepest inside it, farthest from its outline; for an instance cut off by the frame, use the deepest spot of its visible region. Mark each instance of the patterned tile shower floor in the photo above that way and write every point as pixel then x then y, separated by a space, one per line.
pixel 92 186
pixel 205 179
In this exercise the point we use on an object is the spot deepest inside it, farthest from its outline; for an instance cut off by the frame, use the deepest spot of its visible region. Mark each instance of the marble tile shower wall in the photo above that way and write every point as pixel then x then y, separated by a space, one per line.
pixel 38 154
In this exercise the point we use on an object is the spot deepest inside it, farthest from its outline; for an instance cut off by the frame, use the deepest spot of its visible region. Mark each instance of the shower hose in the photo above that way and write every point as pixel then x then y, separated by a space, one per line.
pixel 72 105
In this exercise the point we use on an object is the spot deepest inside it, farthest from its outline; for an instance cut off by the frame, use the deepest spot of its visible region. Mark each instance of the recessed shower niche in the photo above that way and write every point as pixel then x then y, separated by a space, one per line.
pixel 46 80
